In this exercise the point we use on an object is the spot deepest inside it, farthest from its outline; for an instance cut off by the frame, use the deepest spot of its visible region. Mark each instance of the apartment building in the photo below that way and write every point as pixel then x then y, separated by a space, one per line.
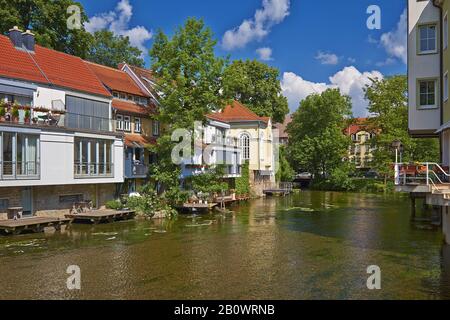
pixel 360 151
pixel 57 139
pixel 429 106
pixel 132 108
pixel 257 140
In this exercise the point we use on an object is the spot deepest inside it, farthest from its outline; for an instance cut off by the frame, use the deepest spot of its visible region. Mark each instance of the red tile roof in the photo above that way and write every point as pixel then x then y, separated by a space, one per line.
pixel 359 124
pixel 144 75
pixel 49 67
pixel 115 79
pixel 132 139
pixel 131 107
pixel 236 112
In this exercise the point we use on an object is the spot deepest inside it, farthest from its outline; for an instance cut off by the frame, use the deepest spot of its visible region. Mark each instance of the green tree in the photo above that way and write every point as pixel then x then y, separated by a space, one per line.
pixel 256 85
pixel 317 143
pixel 388 102
pixel 48 21
pixel 189 75
pixel 285 172
pixel 110 50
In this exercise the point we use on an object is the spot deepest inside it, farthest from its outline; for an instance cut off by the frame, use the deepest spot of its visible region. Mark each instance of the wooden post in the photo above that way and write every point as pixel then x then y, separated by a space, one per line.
pixel 413 207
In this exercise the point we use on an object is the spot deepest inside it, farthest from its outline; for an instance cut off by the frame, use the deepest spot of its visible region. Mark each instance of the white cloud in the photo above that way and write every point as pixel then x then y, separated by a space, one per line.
pixel 272 12
pixel 327 58
pixel 264 54
pixel 395 42
pixel 349 80
pixel 118 22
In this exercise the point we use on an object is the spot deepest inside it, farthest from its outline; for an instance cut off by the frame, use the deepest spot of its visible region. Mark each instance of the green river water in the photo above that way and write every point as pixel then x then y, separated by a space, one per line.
pixel 310 245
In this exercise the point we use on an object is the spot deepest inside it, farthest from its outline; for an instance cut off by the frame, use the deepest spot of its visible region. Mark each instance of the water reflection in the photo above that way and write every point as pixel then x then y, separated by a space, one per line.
pixel 311 245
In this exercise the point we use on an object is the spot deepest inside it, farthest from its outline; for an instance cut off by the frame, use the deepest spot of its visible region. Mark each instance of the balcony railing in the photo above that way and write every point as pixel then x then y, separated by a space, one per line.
pixel 139 169
pixel 19 170
pixel 224 140
pixel 62 120
pixel 93 170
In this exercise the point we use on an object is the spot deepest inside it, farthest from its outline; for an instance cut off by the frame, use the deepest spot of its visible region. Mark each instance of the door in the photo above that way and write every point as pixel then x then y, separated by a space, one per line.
pixel 27 202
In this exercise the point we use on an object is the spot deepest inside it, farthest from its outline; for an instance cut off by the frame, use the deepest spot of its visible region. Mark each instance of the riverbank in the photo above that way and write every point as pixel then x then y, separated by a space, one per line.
pixel 266 249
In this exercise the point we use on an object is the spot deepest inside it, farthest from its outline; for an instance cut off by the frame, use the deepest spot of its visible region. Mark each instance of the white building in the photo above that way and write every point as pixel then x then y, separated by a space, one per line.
pixel 58 143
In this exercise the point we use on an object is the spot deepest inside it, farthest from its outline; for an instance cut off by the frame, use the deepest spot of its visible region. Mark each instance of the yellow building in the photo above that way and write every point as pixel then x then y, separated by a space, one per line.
pixel 360 152
pixel 256 141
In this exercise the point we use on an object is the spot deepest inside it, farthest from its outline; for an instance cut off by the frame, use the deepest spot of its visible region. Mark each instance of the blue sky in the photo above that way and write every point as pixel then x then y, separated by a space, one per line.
pixel 315 44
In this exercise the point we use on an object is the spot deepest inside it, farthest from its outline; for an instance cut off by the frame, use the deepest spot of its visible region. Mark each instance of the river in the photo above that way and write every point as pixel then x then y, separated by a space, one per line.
pixel 310 245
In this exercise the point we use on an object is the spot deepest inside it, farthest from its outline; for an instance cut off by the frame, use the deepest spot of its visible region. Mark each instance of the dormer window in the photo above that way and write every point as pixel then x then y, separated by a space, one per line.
pixel 115 94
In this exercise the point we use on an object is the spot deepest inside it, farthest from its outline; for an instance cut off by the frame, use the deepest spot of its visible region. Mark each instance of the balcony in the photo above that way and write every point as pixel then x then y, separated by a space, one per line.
pixel 135 169
pixel 10 170
pixel 42 118
pixel 232 171
pixel 224 141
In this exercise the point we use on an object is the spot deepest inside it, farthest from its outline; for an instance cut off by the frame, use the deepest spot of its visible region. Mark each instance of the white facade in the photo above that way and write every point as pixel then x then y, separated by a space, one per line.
pixel 55 162
pixel 217 147
pixel 423 120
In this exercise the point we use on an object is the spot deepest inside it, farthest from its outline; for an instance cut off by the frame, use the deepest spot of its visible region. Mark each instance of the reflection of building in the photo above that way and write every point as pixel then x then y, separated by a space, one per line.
pixel 360 151
pixel 282 130
pixel 132 107
pixel 255 138
pixel 57 138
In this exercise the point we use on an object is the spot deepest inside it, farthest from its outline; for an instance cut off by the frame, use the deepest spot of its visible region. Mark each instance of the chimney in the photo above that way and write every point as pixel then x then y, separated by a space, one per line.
pixel 28 40
pixel 15 35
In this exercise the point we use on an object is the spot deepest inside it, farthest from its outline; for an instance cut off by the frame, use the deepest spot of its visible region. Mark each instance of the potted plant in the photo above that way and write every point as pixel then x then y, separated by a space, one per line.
pixel 2 113
pixel 15 113
pixel 27 115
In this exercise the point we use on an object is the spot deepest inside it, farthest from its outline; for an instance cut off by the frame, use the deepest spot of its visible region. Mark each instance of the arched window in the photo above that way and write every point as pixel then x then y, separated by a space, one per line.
pixel 244 142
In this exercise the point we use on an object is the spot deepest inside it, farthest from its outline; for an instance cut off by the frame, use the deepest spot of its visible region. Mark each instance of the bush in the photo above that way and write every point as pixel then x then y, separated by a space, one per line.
pixel 243 182
pixel 114 205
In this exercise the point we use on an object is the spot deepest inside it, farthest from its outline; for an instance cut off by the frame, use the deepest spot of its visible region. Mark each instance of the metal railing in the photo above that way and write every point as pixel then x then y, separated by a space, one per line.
pixel 93 170
pixel 428 173
pixel 19 170
pixel 139 169
pixel 63 120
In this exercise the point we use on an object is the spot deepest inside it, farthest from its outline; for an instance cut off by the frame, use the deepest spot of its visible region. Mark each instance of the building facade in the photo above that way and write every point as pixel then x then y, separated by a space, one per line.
pixel 133 108
pixel 57 139
pixel 256 139
pixel 360 152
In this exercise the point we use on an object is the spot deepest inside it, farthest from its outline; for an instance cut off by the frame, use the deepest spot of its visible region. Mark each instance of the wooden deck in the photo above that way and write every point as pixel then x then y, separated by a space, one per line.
pixel 34 224
pixel 99 216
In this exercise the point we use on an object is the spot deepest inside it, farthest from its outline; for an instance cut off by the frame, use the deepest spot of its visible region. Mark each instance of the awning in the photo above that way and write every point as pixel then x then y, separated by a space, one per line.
pixel 265 172
pixel 138 141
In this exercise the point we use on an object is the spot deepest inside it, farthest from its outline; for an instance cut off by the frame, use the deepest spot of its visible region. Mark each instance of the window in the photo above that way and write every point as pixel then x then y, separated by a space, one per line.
pixel 126 123
pixel 445 31
pixel 137 125
pixel 427 39
pixel 119 122
pixel 130 97
pixel 122 96
pixel 244 142
pixel 93 157
pixel 20 155
pixel 427 93
pixel 4 204
pixel 155 128
pixel 115 94
pixel 446 86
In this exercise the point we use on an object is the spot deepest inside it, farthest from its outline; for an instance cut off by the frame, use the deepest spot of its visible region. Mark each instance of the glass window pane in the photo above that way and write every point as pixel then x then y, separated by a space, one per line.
pixel 423 32
pixel 423 99
pixel 7 153
pixel 431 44
pixel 431 99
